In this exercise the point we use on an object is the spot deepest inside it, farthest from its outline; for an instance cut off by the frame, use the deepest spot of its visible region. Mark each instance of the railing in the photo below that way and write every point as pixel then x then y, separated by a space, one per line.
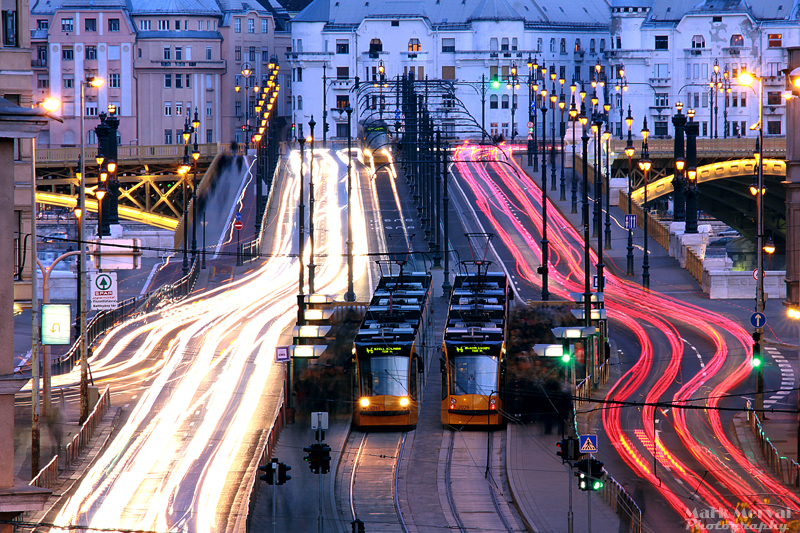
pixel 583 390
pixel 267 444
pixel 787 470
pixel 655 229
pixel 773 147
pixel 47 477
pixel 251 250
pixel 105 320
pixel 694 264
pixel 166 151
pixel 622 503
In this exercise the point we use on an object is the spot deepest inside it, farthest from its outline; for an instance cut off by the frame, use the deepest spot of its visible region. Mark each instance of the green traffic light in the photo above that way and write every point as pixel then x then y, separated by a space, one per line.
pixel 597 485
pixel 565 358
pixel 756 361
pixel 495 84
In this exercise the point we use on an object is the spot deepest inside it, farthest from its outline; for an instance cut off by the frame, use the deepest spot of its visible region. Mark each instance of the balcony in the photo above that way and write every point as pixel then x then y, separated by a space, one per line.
pixel 695 51
pixel 660 82
pixel 38 63
pixel 578 55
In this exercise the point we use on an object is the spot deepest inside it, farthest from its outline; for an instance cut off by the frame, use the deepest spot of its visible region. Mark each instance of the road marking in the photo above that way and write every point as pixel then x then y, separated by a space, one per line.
pixel 696 352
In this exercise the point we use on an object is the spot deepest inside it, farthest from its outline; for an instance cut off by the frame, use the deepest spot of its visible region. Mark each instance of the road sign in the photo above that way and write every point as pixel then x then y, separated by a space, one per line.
pixel 588 444
pixel 238 225
pixel 594 282
pixel 282 354
pixel 758 320
pixel 103 290
pixel 630 221
pixel 530 124
pixel 530 137
pixel 238 216
pixel 56 324
pixel 319 420
pixel 755 274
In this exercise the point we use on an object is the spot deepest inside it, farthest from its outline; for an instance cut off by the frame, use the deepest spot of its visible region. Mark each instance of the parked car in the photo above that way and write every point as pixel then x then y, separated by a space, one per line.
pixel 57 237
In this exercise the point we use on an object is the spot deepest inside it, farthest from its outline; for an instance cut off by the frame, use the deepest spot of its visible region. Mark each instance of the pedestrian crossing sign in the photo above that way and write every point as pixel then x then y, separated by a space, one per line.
pixel 588 444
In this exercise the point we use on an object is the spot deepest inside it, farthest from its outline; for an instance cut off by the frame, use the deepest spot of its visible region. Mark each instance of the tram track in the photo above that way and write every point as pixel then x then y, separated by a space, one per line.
pixel 371 479
pixel 469 479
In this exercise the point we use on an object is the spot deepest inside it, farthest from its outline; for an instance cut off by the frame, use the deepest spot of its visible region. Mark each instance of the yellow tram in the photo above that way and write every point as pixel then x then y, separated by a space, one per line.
pixel 473 363
pixel 389 352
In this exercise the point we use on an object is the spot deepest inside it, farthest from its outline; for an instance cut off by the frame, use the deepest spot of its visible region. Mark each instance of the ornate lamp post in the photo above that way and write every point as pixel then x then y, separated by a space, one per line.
pixel 184 172
pixel 543 269
pixel 532 93
pixel 607 137
pixel 678 183
pixel 195 157
pixel 311 200
pixel 553 99
pixel 513 83
pixel 692 129
pixel 573 118
pixel 562 103
pixel 629 153
pixel 301 217
pixel 644 165
pixel 350 296
pixel 621 86
pixel 716 79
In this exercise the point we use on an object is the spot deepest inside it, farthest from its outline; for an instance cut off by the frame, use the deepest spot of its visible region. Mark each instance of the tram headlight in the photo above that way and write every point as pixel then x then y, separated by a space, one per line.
pixel 364 402
pixel 404 402
pixel 452 403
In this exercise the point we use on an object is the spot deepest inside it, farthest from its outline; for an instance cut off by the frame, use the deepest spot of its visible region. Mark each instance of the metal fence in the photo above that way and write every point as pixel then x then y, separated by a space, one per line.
pixel 104 320
pixel 694 264
pixel 787 470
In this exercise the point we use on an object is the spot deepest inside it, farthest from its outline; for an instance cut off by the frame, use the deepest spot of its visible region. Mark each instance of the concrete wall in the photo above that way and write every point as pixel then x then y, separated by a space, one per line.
pixel 724 284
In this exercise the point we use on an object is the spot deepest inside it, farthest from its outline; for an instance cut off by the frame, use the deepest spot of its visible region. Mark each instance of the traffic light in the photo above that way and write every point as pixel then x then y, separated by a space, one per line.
pixel 319 458
pixel 566 356
pixel 312 458
pixel 563 450
pixel 358 526
pixel 283 477
pixel 582 474
pixel 268 474
pixel 327 126
pixel 325 458
pixel 495 82
pixel 596 474
pixel 758 356
pixel 568 450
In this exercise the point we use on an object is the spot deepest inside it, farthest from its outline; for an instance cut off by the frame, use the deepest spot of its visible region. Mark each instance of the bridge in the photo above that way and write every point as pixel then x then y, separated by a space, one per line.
pixel 151 190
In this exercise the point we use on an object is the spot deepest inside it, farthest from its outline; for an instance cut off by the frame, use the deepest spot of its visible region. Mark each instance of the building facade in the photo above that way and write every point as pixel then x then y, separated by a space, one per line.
pixel 160 62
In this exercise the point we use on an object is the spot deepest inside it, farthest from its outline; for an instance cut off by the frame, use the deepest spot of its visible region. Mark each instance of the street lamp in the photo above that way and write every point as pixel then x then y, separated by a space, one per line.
pixel 629 153
pixel 350 296
pixel 246 72
pixel 543 270
pixel 184 172
pixel 562 103
pixel 678 183
pixel 533 68
pixel 714 84
pixel 553 99
pixel 644 165
pixel 607 137
pixel 573 118
pixel 513 83
pixel 301 216
pixel 311 124
pixel 195 157
pixel 621 86
pixel 769 247
pixel 84 344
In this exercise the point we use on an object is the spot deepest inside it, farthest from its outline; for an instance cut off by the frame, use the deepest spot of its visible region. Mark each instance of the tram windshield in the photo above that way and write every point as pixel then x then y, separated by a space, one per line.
pixel 384 376
pixel 474 374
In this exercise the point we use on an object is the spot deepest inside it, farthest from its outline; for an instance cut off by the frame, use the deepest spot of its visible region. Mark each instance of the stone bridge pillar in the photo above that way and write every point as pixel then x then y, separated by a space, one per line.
pixel 792 185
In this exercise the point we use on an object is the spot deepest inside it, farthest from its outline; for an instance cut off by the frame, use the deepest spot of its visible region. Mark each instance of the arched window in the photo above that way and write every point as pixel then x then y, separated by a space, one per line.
pixel 299 103
pixel 577 45
pixel 563 46
pixel 91 137
pixel 505 101
pixel 602 45
pixel 539 45
pixel 504 44
pixel 493 44
pixel 737 40
pixel 514 44
pixel 591 46
pixel 69 138
pixel 414 45
pixel 375 45
pixel 553 45
pixel 698 41
pixel 493 100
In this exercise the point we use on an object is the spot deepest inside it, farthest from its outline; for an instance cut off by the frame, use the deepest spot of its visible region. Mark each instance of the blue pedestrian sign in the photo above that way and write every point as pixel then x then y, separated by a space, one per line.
pixel 588 444
pixel 238 217
pixel 630 221
pixel 758 320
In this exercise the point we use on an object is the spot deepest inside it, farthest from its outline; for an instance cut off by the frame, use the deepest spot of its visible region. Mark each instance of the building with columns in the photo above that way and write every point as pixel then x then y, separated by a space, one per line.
pixel 160 61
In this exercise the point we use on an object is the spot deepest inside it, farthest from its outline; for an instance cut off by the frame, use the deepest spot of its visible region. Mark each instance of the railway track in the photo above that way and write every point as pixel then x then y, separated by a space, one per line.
pixel 472 481
pixel 369 480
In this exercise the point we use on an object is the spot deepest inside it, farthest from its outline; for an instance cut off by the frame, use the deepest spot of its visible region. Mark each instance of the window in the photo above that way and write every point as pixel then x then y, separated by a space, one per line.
pixel 167 53
pixel 395 23
pixel 562 72
pixel 252 53
pixel 716 19
pixel 179 108
pixel 539 45
pixel 238 109
pixel 744 126
pixel 619 42
pixel 698 41
pixel 167 136
pixel 577 75
pixel 299 103
pixel 662 70
pixel 414 45
pixel 592 46
pixel 705 128
pixel 178 53
pixel 91 53
pixel 91 109
pixel 237 25
pixel 514 44
pixel 662 100
pixel 67 25
pixel 209 53
pixel 208 110
pixel 563 46
pixel 144 25
pixel 209 136
pixel 504 102
pixel 577 45
pixel 602 45
pixel 178 81
pixel 298 74
pixel 167 81
pixel 237 53
pixel 493 100
pixel 553 45
pixel 735 97
pixel 114 81
pixel 504 44
pixel 448 72
pixel 188 82
pixel 342 101
pixel 265 56
pixel 737 40
pixel 774 127
pixel 68 82
pixel 113 24
pixel 705 99
pixel 163 25
pixel 662 42
pixel 773 98
pixel 448 45
pixel 251 26
pixel 42 24
pixel 743 99
pixel 342 73
pixel 90 24
pixel 696 100
pixel 67 54
pixel 42 81
pixel 661 129
pixel 167 109
pixel 493 44
pixel 775 40
pixel 264 26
